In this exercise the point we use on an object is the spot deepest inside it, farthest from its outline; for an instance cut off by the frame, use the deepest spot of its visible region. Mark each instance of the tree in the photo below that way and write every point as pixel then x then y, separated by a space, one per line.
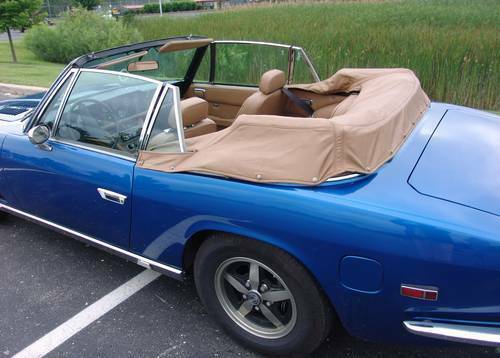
pixel 88 4
pixel 18 14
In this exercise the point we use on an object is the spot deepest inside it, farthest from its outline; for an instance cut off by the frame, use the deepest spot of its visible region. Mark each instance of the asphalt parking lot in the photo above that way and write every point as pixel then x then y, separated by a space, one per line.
pixel 48 279
pixel 52 288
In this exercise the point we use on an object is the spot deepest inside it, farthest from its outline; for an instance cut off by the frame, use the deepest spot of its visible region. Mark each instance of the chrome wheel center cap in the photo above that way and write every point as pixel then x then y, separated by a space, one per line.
pixel 254 297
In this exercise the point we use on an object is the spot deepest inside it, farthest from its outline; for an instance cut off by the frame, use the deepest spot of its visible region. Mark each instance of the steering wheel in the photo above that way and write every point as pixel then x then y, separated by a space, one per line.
pixel 82 109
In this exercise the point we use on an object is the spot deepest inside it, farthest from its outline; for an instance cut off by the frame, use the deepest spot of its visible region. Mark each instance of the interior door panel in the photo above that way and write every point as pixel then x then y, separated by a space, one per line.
pixel 224 100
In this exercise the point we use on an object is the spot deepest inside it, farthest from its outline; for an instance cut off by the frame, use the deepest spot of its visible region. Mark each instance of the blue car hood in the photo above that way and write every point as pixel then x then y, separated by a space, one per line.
pixel 15 109
pixel 461 162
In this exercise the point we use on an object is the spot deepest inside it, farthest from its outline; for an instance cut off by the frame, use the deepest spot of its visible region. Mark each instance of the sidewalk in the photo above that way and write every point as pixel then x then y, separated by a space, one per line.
pixel 10 90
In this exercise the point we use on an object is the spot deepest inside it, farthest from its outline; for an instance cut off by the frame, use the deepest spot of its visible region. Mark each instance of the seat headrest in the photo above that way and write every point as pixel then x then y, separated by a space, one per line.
pixel 271 81
pixel 194 110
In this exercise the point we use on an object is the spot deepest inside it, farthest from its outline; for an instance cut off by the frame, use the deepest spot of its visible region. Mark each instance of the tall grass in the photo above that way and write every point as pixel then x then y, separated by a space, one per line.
pixel 452 45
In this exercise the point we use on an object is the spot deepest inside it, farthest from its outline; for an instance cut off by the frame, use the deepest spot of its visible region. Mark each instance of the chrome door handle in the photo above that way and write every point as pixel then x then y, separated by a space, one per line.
pixel 112 196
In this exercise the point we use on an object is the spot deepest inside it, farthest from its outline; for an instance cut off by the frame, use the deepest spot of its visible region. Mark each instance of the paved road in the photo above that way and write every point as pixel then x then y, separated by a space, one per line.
pixel 4 96
pixel 16 35
pixel 180 13
pixel 48 278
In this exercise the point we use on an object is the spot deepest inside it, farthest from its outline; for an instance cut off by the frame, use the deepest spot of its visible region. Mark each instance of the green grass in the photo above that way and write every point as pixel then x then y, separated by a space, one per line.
pixel 29 70
pixel 452 45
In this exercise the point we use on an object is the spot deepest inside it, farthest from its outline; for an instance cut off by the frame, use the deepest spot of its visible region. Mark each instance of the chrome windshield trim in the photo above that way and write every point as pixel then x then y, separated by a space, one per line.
pixel 64 101
pixel 47 97
pixel 48 101
pixel 167 270
pixel 483 335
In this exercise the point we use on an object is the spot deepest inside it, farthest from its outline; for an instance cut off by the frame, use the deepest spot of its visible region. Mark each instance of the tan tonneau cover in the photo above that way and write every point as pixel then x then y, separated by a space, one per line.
pixel 276 149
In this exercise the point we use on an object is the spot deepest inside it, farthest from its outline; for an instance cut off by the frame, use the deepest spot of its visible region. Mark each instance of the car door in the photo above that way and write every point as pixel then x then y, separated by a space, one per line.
pixel 230 73
pixel 81 178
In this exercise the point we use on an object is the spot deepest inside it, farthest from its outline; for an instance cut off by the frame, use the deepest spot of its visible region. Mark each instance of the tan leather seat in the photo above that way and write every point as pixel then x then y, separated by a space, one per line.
pixel 268 99
pixel 195 117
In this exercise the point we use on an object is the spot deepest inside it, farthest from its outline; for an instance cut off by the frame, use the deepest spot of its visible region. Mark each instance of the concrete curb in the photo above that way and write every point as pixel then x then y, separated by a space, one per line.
pixel 20 90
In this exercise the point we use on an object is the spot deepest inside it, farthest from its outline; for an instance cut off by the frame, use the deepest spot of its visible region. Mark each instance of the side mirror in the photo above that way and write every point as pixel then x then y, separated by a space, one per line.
pixel 38 135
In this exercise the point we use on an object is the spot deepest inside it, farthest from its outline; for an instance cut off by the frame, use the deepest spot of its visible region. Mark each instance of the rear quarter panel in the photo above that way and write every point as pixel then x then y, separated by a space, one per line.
pixel 416 239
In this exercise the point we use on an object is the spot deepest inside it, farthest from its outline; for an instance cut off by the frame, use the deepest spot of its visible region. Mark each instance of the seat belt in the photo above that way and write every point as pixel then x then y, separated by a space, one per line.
pixel 298 102
pixel 346 94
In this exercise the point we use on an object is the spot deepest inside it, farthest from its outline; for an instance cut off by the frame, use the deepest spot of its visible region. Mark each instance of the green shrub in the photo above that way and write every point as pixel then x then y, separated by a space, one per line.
pixel 171 7
pixel 151 8
pixel 78 33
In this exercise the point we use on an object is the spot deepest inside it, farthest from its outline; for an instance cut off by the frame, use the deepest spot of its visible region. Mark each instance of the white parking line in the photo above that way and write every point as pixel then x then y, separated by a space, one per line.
pixel 90 314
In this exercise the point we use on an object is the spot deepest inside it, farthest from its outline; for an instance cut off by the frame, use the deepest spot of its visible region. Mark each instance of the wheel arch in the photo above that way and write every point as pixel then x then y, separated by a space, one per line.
pixel 196 239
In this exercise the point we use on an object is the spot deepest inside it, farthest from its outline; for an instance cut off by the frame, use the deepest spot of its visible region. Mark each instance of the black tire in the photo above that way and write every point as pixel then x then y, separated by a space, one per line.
pixel 314 314
pixel 3 216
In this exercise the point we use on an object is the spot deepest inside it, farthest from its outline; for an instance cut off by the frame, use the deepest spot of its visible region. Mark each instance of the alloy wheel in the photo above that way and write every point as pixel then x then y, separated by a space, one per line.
pixel 255 297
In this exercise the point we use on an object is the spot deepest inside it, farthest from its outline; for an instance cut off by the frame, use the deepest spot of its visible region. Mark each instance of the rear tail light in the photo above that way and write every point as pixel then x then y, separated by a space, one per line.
pixel 420 292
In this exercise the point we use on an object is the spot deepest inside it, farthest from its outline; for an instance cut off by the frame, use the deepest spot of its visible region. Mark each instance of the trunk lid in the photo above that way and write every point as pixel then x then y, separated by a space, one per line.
pixel 461 161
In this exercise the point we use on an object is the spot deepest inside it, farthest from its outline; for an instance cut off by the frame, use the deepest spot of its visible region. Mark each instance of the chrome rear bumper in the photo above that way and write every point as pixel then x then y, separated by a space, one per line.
pixel 482 335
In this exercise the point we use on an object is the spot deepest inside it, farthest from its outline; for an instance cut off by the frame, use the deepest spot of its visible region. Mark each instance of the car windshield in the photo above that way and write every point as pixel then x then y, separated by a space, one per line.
pixel 163 66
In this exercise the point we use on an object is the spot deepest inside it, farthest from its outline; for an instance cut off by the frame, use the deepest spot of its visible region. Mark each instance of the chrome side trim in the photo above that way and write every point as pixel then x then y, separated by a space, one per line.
pixel 343 177
pixel 92 149
pixel 167 270
pixel 483 335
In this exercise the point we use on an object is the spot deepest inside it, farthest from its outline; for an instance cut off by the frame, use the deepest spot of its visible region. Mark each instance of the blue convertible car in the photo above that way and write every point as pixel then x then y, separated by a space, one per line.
pixel 352 200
